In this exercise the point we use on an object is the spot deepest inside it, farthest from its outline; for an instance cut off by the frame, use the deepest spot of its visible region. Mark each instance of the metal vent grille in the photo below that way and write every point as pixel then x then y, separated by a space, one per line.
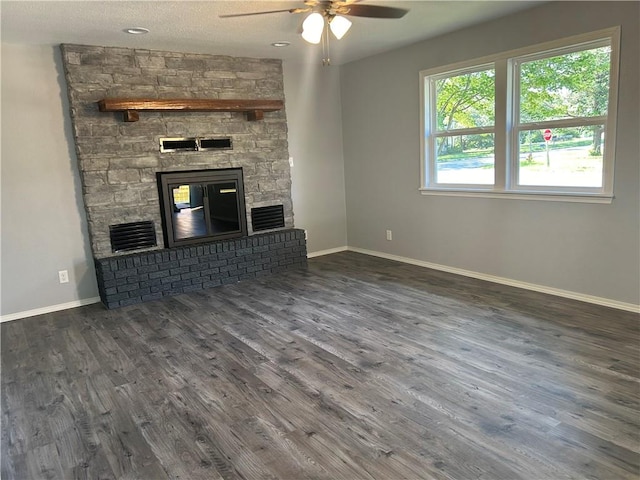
pixel 266 218
pixel 216 144
pixel 178 145
pixel 132 236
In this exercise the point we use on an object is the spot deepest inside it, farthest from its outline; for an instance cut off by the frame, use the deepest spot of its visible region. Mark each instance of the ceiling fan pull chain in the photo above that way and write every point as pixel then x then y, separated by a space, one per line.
pixel 326 60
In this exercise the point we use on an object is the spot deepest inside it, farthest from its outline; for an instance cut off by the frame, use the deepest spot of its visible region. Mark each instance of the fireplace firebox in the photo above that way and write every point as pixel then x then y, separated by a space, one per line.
pixel 201 206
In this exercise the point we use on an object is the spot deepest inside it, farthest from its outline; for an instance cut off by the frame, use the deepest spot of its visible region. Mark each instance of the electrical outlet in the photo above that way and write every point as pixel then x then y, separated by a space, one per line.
pixel 63 276
pixel 291 162
pixel 389 235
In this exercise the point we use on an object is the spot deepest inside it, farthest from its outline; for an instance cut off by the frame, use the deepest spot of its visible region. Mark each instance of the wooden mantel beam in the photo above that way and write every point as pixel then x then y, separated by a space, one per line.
pixel 130 107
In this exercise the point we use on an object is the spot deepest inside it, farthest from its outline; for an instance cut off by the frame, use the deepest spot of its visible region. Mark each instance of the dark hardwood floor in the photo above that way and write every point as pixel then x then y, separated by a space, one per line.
pixel 357 368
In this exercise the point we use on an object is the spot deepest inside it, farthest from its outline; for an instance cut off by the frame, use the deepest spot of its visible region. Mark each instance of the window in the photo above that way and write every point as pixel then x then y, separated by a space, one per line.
pixel 525 123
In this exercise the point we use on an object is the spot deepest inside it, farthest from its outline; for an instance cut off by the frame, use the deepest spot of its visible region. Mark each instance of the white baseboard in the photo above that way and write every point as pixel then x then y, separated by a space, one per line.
pixel 49 309
pixel 319 253
pixel 505 281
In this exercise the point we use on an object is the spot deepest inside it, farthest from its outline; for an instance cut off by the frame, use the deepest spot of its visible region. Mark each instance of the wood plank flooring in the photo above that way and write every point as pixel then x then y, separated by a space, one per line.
pixel 357 368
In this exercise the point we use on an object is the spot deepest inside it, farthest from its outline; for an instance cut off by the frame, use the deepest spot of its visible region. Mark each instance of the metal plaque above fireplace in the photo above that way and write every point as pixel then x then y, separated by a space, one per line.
pixel 202 206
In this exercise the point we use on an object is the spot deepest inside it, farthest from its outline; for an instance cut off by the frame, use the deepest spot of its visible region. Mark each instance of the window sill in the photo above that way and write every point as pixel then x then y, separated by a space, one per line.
pixel 540 196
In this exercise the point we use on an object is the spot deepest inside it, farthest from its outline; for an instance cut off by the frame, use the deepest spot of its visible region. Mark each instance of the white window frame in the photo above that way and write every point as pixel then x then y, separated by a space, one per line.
pixel 507 127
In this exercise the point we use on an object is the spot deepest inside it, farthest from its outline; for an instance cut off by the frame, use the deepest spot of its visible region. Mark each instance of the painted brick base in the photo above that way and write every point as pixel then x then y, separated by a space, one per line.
pixel 139 277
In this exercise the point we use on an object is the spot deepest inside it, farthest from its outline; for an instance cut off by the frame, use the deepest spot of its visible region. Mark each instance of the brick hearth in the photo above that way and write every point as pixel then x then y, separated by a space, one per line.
pixel 140 277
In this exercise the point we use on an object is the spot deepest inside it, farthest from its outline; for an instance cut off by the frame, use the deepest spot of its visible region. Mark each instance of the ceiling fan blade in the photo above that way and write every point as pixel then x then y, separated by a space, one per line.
pixel 374 11
pixel 290 10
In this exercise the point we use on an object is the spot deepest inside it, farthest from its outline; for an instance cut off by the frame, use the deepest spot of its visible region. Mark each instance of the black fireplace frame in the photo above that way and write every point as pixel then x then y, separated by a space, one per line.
pixel 166 182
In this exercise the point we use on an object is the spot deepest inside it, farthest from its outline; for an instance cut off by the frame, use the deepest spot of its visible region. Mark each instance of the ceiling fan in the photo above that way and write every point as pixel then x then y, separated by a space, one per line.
pixel 334 14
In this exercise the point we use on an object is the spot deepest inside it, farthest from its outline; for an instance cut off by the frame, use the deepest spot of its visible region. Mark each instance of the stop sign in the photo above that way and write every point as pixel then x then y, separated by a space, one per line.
pixel 547 135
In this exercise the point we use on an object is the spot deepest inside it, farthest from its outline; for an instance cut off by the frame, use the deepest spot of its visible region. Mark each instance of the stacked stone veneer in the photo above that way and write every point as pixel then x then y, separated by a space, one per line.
pixel 118 161
pixel 139 277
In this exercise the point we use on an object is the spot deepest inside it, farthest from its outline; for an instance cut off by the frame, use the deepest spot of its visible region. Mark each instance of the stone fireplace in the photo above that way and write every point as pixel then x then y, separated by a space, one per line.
pixel 119 162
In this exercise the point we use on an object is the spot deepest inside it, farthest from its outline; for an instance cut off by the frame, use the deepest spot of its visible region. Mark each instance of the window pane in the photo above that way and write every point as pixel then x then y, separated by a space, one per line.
pixel 465 101
pixel 465 159
pixel 565 86
pixel 573 157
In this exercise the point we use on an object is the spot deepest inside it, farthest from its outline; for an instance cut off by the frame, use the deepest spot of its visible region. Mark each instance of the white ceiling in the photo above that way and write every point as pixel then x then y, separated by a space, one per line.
pixel 194 26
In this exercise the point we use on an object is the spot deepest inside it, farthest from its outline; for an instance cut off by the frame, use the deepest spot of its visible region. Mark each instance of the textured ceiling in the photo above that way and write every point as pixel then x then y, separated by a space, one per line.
pixel 195 26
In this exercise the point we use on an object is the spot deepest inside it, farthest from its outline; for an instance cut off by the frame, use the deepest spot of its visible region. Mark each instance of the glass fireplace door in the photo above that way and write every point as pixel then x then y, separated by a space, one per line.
pixel 200 206
pixel 200 210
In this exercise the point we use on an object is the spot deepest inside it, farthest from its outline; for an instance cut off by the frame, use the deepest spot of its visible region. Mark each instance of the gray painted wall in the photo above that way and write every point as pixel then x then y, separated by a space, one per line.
pixel 43 224
pixel 315 143
pixel 589 249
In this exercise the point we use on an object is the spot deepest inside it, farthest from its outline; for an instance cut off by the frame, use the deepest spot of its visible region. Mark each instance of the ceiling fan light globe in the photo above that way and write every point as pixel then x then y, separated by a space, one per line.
pixel 312 28
pixel 340 26
pixel 311 38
